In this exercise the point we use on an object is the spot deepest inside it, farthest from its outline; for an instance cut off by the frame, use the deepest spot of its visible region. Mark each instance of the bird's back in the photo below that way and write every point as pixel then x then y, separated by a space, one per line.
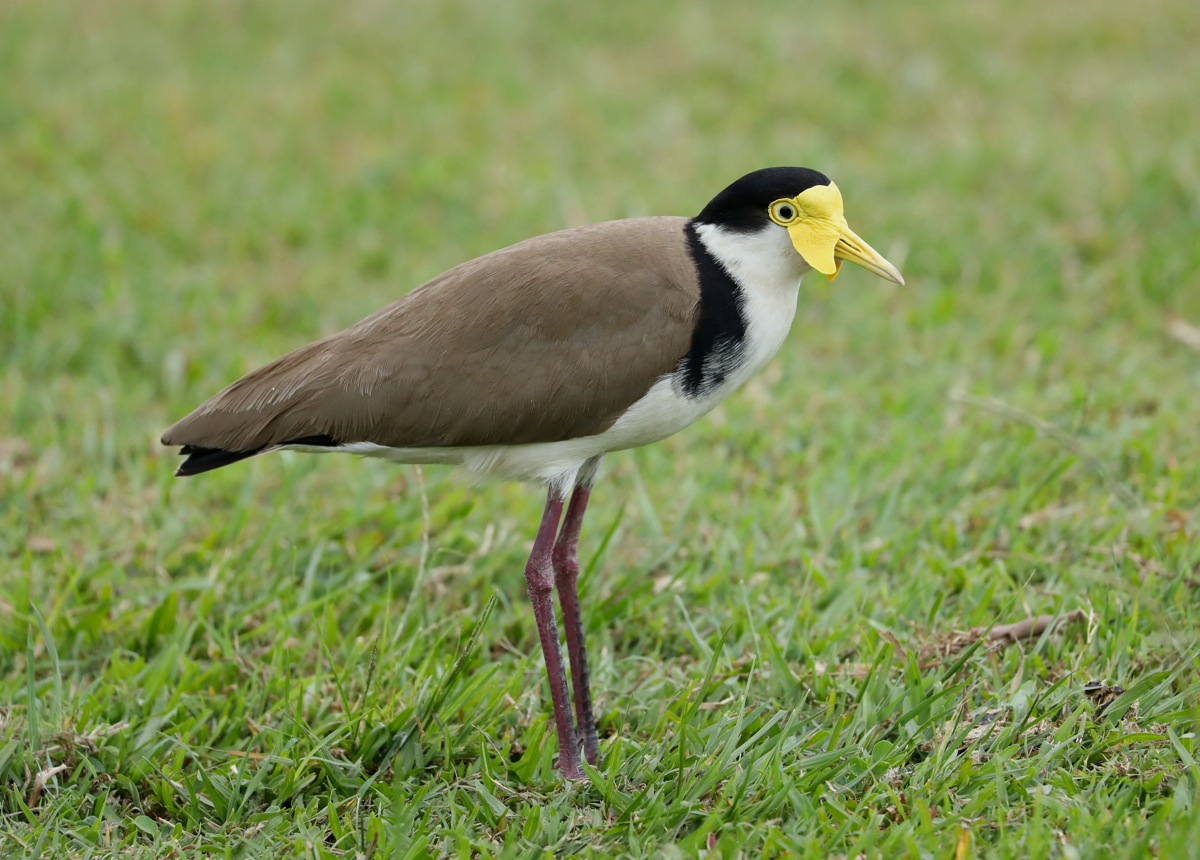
pixel 550 339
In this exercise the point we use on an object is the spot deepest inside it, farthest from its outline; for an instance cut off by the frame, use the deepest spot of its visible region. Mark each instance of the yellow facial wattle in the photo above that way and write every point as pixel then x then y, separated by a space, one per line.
pixel 821 236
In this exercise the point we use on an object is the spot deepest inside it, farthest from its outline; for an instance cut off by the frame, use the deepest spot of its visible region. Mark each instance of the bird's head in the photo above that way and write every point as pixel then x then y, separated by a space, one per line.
pixel 808 206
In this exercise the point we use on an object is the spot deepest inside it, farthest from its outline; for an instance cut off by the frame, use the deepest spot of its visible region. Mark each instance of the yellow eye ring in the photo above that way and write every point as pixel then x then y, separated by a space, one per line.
pixel 784 212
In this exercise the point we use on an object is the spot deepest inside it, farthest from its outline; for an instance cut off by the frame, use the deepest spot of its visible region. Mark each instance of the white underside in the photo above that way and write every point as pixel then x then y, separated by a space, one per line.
pixel 768 270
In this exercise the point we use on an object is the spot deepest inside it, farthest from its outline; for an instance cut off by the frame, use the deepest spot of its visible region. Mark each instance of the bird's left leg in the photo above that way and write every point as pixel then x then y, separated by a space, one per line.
pixel 566 578
pixel 539 575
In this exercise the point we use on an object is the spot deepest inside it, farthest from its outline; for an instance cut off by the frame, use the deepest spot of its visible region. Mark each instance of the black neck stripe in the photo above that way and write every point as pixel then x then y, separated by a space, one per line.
pixel 720 327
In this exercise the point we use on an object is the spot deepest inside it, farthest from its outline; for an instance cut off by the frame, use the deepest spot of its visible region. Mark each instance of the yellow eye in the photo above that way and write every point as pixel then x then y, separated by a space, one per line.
pixel 783 212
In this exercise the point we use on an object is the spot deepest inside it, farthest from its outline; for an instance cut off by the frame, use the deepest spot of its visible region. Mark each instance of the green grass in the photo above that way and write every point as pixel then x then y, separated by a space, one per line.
pixel 325 657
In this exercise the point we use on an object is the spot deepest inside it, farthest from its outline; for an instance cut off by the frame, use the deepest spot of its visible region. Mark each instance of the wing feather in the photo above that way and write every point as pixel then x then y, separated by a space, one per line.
pixel 547 340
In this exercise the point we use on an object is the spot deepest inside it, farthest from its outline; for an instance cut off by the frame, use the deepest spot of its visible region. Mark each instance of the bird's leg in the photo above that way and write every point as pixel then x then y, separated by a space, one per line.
pixel 566 577
pixel 539 575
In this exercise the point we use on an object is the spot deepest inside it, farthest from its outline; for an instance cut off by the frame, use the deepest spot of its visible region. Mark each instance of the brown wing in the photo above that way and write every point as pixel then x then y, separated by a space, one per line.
pixel 547 340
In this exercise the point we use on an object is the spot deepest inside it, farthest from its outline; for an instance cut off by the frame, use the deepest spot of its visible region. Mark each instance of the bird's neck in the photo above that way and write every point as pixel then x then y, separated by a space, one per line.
pixel 762 261
pixel 767 271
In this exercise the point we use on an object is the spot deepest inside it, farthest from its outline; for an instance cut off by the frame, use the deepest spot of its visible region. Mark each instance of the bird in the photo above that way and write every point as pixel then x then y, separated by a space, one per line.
pixel 533 362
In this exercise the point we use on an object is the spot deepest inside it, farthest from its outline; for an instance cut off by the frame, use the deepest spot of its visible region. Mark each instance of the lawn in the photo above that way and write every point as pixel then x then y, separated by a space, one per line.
pixel 787 604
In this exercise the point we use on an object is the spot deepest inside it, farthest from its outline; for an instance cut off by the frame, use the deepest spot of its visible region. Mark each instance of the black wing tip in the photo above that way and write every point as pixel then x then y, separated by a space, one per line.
pixel 200 460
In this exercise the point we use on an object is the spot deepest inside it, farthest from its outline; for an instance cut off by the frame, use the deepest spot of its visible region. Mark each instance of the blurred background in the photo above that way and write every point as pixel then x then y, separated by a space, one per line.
pixel 192 189
pixel 188 190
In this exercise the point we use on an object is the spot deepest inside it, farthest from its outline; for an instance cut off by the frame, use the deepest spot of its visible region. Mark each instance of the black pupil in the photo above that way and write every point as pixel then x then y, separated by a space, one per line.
pixel 785 213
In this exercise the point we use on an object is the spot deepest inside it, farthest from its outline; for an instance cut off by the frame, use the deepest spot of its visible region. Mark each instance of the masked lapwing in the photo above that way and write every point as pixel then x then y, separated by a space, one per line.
pixel 533 362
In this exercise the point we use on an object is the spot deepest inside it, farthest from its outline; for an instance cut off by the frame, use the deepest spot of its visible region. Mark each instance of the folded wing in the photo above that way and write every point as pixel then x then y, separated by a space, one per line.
pixel 547 340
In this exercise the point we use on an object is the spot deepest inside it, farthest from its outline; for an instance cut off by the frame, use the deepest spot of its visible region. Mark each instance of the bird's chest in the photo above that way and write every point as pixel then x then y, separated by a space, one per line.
pixel 675 401
pixel 766 317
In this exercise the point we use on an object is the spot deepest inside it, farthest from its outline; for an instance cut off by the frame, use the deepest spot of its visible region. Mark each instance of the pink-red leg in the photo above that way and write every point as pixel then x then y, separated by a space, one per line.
pixel 566 578
pixel 539 575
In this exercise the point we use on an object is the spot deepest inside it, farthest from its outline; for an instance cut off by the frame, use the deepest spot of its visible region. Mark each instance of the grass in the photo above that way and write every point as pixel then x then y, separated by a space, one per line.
pixel 323 657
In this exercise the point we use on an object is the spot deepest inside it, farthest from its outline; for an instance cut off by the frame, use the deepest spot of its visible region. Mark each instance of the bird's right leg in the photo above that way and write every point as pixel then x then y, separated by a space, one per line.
pixel 566 580
pixel 539 575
